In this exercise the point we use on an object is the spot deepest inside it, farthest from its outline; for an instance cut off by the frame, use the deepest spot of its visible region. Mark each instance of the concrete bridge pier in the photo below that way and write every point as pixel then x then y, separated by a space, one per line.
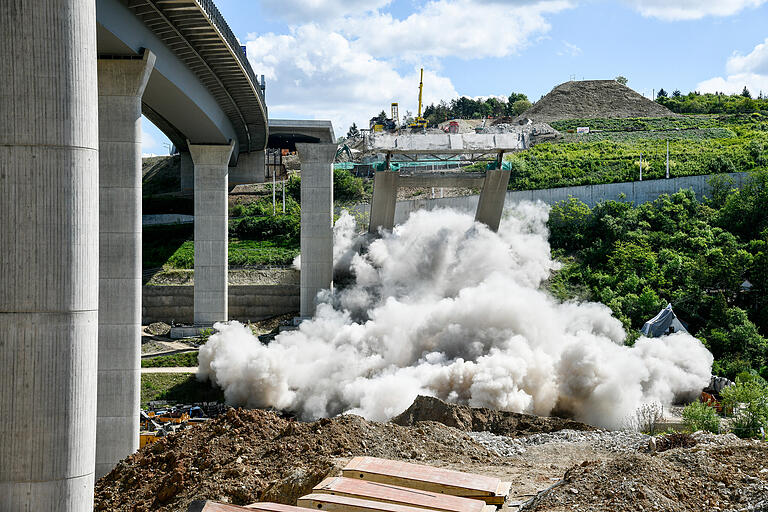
pixel 316 221
pixel 385 185
pixel 49 255
pixel 211 214
pixel 187 173
pixel 121 84
pixel 492 196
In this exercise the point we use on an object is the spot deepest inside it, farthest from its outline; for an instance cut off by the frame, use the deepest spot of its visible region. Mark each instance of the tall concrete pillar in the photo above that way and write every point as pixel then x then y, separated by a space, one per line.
pixel 385 184
pixel 187 173
pixel 491 204
pixel 121 84
pixel 49 255
pixel 316 221
pixel 250 169
pixel 211 230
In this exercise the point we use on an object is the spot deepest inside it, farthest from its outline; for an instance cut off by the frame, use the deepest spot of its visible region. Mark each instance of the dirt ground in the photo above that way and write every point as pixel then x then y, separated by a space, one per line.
pixel 247 456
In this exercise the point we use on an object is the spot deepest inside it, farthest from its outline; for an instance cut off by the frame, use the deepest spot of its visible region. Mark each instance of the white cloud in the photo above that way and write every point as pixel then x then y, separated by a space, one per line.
pixel 352 64
pixel 756 61
pixel 674 10
pixel 467 29
pixel 320 10
pixel 570 49
pixel 734 84
pixel 749 70
pixel 313 73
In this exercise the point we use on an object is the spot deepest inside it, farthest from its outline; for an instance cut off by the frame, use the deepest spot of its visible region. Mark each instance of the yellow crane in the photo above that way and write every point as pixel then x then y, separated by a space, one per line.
pixel 419 122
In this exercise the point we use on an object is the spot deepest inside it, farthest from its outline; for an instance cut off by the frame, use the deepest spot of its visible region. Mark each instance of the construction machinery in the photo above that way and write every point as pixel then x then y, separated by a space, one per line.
pixel 419 123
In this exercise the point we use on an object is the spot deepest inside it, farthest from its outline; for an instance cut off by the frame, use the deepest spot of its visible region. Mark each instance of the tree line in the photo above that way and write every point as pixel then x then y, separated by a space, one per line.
pixel 712 103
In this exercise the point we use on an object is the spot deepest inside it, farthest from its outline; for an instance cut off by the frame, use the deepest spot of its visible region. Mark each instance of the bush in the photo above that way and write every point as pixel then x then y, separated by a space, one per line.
pixel 287 227
pixel 346 187
pixel 700 416
pixel 646 418
pixel 748 399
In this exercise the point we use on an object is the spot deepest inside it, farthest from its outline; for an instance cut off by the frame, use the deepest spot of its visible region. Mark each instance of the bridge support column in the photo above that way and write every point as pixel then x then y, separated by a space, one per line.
pixel 250 169
pixel 49 255
pixel 187 173
pixel 491 204
pixel 121 85
pixel 316 221
pixel 211 231
pixel 385 184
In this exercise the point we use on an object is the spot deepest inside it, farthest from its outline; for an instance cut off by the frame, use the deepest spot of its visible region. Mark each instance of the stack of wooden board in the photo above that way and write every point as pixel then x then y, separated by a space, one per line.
pixel 212 506
pixel 369 484
pixel 416 476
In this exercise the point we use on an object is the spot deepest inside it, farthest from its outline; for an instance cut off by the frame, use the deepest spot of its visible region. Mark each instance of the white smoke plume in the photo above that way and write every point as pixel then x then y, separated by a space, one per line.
pixel 442 306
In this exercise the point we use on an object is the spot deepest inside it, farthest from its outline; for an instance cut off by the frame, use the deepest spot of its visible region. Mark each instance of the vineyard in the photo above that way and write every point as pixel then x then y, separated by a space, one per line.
pixel 611 152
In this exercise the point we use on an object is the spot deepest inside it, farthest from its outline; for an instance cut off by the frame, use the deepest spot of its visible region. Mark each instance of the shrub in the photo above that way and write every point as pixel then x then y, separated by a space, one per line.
pixel 346 187
pixel 700 416
pixel 646 418
pixel 287 227
pixel 749 401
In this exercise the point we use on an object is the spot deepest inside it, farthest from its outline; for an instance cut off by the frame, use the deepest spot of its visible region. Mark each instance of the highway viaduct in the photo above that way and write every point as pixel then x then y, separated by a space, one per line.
pixel 77 76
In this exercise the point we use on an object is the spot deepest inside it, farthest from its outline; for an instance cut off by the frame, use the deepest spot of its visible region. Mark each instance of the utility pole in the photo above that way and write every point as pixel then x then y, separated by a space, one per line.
pixel 667 159
pixel 641 166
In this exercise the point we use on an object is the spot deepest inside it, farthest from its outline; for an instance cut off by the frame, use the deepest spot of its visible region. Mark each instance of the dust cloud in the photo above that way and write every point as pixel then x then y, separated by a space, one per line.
pixel 442 306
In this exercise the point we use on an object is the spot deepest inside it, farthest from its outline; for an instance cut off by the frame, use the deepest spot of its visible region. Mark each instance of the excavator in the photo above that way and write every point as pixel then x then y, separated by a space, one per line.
pixel 419 123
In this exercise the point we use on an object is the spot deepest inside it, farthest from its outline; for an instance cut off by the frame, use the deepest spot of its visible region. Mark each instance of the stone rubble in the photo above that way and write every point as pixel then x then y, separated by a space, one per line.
pixel 620 441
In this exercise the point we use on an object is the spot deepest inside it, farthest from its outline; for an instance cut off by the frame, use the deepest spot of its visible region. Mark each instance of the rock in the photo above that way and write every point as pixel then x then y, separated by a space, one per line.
pixel 158 329
pixel 426 408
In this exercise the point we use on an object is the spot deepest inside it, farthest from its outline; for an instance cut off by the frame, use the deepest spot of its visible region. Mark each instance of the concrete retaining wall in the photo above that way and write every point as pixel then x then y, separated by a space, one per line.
pixel 636 192
pixel 246 302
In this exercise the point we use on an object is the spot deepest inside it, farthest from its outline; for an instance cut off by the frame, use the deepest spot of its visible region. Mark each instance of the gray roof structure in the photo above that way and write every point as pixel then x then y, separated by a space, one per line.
pixel 666 322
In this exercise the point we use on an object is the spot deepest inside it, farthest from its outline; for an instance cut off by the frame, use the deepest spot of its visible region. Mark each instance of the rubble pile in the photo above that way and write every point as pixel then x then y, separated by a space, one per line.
pixel 246 456
pixel 730 475
pixel 588 99
pixel 462 417
pixel 619 441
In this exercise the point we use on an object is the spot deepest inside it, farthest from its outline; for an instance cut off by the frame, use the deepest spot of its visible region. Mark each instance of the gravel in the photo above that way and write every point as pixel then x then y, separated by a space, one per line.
pixel 619 441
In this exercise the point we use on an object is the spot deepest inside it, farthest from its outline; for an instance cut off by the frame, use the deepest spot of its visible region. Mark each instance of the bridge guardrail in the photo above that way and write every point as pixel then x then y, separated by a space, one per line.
pixel 221 24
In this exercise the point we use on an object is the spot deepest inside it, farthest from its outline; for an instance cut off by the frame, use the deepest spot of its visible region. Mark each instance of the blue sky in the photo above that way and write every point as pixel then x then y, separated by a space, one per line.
pixel 332 59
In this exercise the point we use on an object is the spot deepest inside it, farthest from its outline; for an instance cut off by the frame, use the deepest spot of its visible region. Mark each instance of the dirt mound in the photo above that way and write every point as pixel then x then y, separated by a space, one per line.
pixel 592 99
pixel 470 419
pixel 247 456
pixel 707 477
pixel 160 174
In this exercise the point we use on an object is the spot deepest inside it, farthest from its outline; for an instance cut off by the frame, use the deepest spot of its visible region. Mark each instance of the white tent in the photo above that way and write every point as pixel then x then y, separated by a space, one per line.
pixel 666 322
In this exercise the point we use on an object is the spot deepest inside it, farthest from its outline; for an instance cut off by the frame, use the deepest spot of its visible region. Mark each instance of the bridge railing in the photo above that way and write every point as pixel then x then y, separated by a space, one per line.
pixel 221 24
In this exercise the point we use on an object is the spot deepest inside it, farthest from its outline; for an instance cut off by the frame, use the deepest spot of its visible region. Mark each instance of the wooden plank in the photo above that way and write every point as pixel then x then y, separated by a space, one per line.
pixel 428 478
pixel 273 507
pixel 212 506
pixel 373 491
pixel 334 503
